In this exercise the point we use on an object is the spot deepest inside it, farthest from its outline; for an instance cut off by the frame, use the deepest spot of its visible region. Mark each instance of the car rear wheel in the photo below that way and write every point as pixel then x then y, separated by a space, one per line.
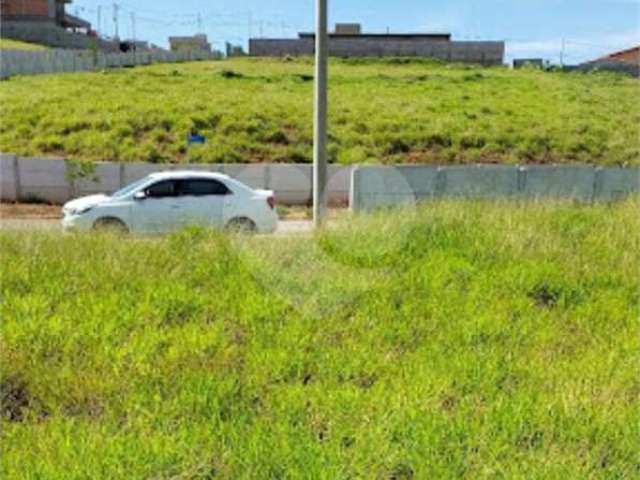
pixel 241 225
pixel 110 225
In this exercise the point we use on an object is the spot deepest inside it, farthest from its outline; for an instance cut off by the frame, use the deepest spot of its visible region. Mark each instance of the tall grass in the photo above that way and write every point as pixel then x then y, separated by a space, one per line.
pixel 463 339
pixel 381 111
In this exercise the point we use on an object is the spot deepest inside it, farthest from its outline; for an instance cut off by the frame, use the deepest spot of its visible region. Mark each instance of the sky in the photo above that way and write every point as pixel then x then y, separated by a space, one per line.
pixel 531 28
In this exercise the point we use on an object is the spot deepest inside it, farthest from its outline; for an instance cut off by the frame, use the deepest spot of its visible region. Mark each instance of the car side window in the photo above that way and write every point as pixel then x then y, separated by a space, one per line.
pixel 162 189
pixel 198 187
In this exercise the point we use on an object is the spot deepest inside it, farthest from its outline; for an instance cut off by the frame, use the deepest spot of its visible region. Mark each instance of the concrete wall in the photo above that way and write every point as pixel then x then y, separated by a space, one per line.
pixel 364 187
pixel 610 65
pixel 54 181
pixel 48 33
pixel 23 62
pixel 486 53
pixel 374 187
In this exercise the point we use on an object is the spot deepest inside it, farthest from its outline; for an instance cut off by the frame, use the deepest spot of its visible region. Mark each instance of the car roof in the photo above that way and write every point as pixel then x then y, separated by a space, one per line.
pixel 178 174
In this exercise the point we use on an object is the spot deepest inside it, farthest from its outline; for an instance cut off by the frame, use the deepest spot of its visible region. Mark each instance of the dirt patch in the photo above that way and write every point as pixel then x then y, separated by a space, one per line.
pixel 29 211
pixel 545 295
pixel 14 399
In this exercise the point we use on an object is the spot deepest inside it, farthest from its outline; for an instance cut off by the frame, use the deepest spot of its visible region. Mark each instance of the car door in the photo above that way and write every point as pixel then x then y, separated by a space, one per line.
pixel 160 209
pixel 204 202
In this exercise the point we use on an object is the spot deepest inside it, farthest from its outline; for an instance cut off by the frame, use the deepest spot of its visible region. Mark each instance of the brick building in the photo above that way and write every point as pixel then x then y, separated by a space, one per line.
pixel 630 55
pixel 198 42
pixel 625 61
pixel 46 22
pixel 348 40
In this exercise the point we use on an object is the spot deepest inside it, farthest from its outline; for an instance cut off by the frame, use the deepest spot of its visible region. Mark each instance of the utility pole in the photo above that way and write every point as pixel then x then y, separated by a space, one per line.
pixel 99 20
pixel 320 120
pixel 133 27
pixel 564 44
pixel 199 23
pixel 115 20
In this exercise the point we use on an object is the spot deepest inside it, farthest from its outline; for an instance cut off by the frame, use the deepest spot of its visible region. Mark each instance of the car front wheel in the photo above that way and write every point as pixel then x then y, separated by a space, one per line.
pixel 110 225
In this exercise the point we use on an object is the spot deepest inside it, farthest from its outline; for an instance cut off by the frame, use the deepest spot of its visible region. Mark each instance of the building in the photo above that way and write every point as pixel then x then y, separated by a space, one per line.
pixel 234 50
pixel 528 62
pixel 348 40
pixel 197 42
pixel 625 61
pixel 46 22
pixel 630 56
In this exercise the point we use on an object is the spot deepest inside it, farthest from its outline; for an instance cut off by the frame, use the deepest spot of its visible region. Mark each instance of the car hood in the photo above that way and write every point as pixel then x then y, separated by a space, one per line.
pixel 84 202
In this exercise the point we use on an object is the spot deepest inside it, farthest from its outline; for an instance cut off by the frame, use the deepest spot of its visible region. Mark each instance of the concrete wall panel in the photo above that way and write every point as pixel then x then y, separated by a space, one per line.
pixel 105 179
pixel 338 184
pixel 292 184
pixel 374 187
pixel 252 175
pixel 481 181
pixel 135 171
pixel 44 180
pixel 8 187
pixel 424 181
pixel 571 181
pixel 614 183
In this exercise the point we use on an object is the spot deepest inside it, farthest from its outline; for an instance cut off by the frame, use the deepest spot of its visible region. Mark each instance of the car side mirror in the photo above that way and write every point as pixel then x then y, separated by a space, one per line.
pixel 139 196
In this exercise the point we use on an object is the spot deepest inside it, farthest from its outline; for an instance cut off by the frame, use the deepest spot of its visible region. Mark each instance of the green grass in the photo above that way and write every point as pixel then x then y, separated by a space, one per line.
pixel 8 44
pixel 381 111
pixel 463 340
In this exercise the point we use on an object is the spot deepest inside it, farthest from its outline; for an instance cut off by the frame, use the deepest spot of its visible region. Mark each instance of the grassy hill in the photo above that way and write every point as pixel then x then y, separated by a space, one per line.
pixel 8 44
pixel 470 340
pixel 382 111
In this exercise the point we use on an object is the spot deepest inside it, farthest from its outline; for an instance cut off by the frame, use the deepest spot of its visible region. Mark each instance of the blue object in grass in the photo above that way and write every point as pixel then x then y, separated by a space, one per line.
pixel 195 139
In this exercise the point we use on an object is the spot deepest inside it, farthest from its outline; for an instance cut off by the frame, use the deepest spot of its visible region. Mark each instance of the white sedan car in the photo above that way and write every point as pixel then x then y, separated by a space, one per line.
pixel 165 202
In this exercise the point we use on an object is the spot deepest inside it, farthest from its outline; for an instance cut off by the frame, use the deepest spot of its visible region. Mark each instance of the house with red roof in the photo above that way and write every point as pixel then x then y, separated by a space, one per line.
pixel 625 61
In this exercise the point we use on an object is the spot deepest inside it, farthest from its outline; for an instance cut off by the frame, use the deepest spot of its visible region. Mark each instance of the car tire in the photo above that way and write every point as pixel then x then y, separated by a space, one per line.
pixel 110 225
pixel 241 225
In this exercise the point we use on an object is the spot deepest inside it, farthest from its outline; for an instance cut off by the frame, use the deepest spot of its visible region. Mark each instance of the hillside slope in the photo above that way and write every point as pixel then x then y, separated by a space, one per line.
pixel 9 44
pixel 382 111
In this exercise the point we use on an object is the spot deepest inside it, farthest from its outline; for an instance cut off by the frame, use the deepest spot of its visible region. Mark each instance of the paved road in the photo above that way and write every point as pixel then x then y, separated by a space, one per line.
pixel 284 228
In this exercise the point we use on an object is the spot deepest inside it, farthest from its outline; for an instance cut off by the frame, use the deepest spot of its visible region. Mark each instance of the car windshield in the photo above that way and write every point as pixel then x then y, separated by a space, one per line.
pixel 130 188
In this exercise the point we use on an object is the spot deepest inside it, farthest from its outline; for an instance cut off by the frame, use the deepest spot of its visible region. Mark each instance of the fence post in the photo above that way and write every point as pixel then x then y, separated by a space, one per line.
pixel 354 188
pixel 597 184
pixel 16 178
pixel 122 175
pixel 441 182
pixel 522 178
pixel 71 178
pixel 267 176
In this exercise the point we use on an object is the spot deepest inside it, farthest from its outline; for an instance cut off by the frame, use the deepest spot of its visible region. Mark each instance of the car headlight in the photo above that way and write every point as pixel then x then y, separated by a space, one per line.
pixel 81 210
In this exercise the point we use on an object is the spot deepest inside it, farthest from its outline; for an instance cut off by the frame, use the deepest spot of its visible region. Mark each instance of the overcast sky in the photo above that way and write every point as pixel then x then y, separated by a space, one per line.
pixel 531 28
